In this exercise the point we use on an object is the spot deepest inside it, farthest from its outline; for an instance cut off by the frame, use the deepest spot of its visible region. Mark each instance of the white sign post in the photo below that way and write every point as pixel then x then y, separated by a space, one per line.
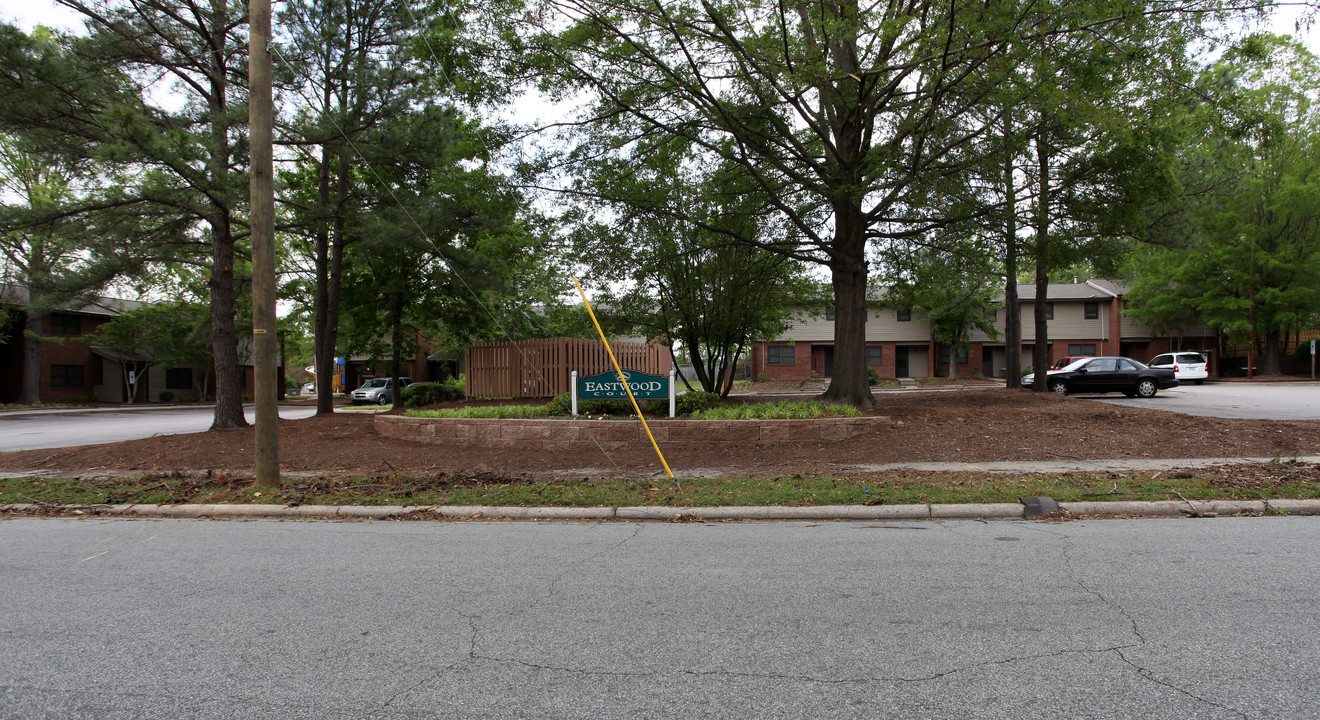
pixel 572 380
pixel 1313 359
pixel 673 385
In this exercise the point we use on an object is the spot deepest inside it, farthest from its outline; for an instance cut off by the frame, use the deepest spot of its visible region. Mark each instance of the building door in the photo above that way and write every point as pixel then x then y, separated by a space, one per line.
pixel 901 362
pixel 828 370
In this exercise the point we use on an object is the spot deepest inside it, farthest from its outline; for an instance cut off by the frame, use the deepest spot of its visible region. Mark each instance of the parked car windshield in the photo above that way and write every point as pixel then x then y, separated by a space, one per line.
pixel 378 382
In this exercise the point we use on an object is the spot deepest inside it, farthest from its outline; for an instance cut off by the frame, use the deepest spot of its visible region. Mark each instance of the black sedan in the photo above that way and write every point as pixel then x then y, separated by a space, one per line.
pixel 1110 374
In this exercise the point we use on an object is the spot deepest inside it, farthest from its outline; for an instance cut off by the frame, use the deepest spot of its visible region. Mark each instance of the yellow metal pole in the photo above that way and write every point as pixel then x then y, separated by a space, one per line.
pixel 624 380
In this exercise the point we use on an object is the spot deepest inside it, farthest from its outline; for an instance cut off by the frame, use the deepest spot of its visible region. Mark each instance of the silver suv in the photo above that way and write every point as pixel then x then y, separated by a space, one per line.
pixel 1185 365
pixel 377 390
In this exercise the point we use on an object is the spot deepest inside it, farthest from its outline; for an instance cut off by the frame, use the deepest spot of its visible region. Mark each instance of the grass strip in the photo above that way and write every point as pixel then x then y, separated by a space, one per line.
pixel 487 412
pixel 1232 482
pixel 781 410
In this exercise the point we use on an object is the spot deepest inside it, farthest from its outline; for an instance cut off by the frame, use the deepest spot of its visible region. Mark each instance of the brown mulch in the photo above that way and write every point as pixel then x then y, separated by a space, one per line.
pixel 968 426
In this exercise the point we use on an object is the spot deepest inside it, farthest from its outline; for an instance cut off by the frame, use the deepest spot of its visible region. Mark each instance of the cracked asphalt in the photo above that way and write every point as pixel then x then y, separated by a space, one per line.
pixel 168 618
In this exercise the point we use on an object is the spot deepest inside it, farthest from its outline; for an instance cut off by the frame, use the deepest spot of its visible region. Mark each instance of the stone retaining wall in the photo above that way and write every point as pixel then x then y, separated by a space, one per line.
pixel 474 432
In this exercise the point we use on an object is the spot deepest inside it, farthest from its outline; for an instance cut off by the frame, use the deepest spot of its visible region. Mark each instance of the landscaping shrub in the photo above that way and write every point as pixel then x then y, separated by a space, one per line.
pixel 166 396
pixel 782 410
pixel 486 412
pixel 563 405
pixel 431 393
pixel 872 377
pixel 695 401
pixel 560 405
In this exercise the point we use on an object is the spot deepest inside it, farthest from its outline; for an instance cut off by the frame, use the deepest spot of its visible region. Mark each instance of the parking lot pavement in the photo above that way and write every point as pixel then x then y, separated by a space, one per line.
pixel 1264 401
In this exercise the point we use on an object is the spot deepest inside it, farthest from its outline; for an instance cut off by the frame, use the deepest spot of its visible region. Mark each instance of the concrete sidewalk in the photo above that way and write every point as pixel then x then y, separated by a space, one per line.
pixel 970 511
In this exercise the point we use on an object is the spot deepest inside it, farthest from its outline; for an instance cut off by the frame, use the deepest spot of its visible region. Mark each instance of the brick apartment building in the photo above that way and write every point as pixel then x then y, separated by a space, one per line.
pixel 73 370
pixel 1085 318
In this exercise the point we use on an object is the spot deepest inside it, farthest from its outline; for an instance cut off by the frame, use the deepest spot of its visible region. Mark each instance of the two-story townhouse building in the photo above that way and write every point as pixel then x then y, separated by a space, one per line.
pixel 73 370
pixel 1084 318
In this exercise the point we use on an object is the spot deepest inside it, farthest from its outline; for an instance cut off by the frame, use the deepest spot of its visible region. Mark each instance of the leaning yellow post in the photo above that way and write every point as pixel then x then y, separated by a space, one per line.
pixel 624 380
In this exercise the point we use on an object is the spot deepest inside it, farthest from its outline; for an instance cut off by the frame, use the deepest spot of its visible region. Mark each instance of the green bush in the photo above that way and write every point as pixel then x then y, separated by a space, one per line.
pixel 695 401
pixel 431 393
pixel 560 405
pixel 486 412
pixel 872 377
pixel 166 395
pixel 782 410
pixel 563 405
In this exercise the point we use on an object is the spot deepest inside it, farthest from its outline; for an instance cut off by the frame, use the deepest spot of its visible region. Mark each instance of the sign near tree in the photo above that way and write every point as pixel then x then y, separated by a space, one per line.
pixel 607 385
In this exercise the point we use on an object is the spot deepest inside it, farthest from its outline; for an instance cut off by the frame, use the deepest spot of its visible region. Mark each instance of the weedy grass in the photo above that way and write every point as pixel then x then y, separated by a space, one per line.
pixel 1254 482
pixel 486 412
pixel 781 410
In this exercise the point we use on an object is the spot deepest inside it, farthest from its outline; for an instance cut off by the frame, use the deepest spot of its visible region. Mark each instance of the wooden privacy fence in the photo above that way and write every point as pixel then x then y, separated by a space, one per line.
pixel 539 368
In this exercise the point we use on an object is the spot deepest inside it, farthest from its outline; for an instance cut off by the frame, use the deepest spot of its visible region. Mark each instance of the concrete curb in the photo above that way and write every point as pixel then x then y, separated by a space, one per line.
pixel 970 511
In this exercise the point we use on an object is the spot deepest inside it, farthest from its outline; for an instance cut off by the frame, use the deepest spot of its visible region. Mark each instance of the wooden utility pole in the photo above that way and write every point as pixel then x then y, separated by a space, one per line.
pixel 262 189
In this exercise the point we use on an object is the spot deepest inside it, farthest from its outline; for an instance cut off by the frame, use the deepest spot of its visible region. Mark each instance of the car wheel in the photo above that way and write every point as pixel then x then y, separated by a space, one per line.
pixel 1059 387
pixel 382 399
pixel 1198 382
pixel 1147 388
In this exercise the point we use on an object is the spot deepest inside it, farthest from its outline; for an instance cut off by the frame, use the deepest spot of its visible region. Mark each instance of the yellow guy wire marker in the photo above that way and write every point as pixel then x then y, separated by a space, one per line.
pixel 624 380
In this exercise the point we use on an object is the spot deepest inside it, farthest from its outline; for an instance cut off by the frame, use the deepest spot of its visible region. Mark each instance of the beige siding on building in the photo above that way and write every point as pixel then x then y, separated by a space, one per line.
pixel 881 325
pixel 810 328
pixel 978 336
pixel 1069 322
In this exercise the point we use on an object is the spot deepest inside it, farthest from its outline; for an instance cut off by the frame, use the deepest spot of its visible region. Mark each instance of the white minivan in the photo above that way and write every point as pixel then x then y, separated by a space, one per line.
pixel 1185 365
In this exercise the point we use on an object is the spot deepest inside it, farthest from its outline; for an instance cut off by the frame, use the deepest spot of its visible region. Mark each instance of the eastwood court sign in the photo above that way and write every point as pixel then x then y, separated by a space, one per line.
pixel 607 385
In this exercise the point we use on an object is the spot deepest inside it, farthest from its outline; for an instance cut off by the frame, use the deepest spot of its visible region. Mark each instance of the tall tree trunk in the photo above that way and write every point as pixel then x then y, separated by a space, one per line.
pixel 328 338
pixel 396 346
pixel 848 382
pixel 34 329
pixel 224 343
pixel 1012 313
pixel 324 337
pixel 1040 356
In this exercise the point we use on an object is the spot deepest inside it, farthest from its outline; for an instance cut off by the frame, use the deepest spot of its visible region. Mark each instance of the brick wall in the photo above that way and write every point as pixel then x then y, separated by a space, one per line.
pixel 975 360
pixel 799 370
pixel 66 350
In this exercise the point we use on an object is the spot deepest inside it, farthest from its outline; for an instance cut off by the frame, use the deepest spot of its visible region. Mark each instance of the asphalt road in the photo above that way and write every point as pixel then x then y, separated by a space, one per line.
pixel 30 431
pixel 1141 619
pixel 1272 401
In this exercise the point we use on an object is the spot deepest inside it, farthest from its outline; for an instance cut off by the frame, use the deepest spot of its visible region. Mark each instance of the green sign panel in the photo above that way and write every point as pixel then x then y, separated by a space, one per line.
pixel 607 385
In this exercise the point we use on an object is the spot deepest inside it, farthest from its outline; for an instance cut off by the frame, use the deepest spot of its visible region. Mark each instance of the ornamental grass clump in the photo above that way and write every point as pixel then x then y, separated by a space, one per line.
pixel 491 412
pixel 782 410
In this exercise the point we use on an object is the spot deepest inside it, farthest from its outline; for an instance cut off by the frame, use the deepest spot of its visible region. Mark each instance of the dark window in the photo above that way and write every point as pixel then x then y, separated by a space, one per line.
pixel 62 324
pixel 1092 310
pixel 991 314
pixel 875 355
pixel 178 378
pixel 1081 349
pixel 66 376
pixel 781 355
pixel 1049 311
pixel 905 316
pixel 829 314
pixel 962 355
